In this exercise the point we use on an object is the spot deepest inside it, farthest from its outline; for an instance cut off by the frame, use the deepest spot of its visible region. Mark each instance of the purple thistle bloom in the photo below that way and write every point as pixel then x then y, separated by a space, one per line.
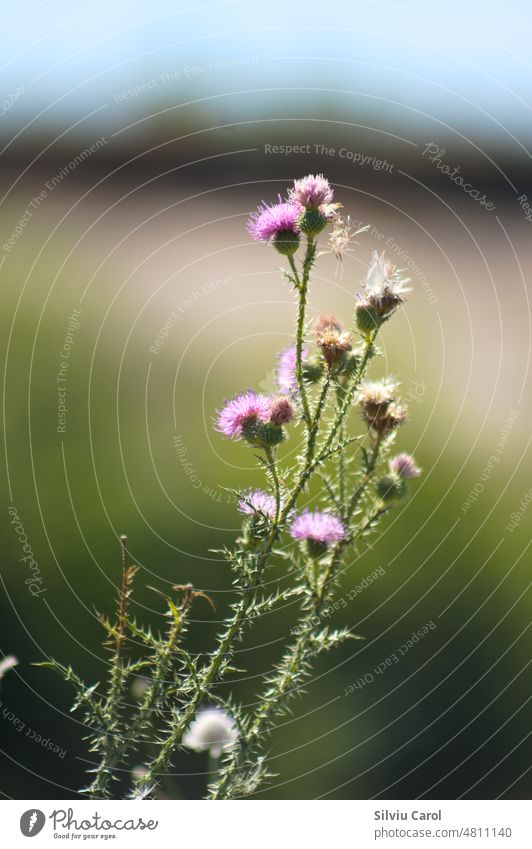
pixel 270 221
pixel 318 527
pixel 257 501
pixel 286 369
pixel 404 466
pixel 241 410
pixel 313 190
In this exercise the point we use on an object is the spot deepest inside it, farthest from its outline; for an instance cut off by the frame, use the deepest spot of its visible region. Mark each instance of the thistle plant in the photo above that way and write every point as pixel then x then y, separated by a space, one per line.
pixel 322 378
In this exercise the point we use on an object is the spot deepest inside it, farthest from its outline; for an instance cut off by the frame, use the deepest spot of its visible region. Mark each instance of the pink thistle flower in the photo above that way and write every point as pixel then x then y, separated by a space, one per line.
pixel 286 369
pixel 318 527
pixel 404 466
pixel 257 501
pixel 240 411
pixel 313 190
pixel 270 222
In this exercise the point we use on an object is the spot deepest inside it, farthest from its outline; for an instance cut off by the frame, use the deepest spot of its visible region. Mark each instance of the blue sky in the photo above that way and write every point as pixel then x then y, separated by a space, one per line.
pixel 467 63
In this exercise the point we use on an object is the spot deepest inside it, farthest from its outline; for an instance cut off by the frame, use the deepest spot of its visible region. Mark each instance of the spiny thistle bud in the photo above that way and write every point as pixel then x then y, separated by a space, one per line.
pixel 391 487
pixel 286 242
pixel 312 370
pixel 311 221
pixel 367 317
pixel 262 434
pixel 349 362
pixel 333 344
pixel 281 410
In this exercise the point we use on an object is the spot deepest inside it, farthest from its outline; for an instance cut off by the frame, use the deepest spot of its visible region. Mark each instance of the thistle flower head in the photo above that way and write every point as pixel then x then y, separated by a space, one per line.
pixel 281 410
pixel 404 466
pixel 375 396
pixel 385 289
pixel 275 222
pixel 213 730
pixel 257 501
pixel 324 528
pixel 333 344
pixel 394 417
pixel 244 409
pixel 286 369
pixel 312 190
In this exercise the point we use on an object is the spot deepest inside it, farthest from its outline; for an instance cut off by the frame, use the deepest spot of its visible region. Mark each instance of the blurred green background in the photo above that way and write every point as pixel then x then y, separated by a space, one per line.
pixel 147 230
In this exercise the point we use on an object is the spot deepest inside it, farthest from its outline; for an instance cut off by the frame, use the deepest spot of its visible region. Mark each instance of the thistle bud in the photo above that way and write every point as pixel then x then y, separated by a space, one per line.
pixel 391 487
pixel 367 318
pixel 281 410
pixel 311 221
pixel 349 362
pixel 312 370
pixel 286 242
pixel 262 434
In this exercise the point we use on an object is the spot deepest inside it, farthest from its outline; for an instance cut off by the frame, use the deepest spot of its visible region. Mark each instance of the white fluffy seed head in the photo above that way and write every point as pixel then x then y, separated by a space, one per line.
pixel 213 730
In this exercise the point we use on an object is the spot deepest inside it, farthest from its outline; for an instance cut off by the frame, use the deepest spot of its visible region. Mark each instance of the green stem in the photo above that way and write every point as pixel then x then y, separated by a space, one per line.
pixel 272 465
pixel 145 784
pixel 308 626
pixel 302 282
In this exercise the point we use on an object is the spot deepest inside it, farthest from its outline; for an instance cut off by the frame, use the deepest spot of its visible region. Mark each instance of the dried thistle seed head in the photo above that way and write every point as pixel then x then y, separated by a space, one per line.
pixel 384 289
pixel 341 236
pixel 333 344
pixel 374 398
pixel 326 322
pixel 281 410
pixel 395 416
pixel 213 730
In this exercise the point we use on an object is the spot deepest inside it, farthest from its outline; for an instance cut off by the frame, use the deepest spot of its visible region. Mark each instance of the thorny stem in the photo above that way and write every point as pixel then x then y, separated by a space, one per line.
pixel 272 465
pixel 307 628
pixel 340 391
pixel 145 784
pixel 112 738
pixel 302 287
